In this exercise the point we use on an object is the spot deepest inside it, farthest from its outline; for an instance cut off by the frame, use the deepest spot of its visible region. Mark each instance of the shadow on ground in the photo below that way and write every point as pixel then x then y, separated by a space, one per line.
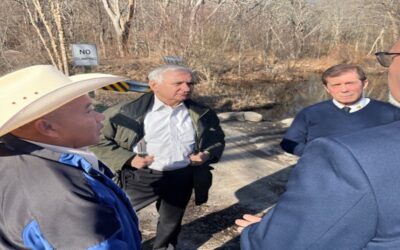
pixel 205 225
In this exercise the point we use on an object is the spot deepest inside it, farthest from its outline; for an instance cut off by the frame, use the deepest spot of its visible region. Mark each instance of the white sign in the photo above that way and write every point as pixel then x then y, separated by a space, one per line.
pixel 84 54
pixel 173 60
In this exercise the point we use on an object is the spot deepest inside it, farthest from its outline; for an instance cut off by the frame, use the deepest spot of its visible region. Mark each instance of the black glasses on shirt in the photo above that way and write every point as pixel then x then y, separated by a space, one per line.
pixel 386 58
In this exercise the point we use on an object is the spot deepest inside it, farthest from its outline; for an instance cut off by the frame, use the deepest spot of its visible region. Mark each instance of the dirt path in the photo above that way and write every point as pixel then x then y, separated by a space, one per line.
pixel 249 179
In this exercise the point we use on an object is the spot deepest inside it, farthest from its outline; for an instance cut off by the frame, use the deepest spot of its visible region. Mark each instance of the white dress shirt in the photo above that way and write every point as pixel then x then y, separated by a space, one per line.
pixel 169 136
pixel 354 107
pixel 83 152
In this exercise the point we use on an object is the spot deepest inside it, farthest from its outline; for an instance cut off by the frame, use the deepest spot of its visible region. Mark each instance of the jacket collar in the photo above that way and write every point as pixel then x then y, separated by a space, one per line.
pixel 196 108
pixel 17 145
pixel 138 108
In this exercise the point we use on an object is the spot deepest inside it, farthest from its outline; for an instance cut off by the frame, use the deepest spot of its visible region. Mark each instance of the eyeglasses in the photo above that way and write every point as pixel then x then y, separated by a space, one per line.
pixel 385 58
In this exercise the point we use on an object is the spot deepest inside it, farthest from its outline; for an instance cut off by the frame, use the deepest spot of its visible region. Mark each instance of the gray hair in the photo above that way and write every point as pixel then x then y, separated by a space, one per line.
pixel 158 73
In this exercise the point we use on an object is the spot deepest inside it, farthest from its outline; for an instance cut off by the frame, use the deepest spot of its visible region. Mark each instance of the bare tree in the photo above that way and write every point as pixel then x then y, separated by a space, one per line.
pixel 49 28
pixel 212 35
pixel 121 14
pixel 55 10
pixel 193 15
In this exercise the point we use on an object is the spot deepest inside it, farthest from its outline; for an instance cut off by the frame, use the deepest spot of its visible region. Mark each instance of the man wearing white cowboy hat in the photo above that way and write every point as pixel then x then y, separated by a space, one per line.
pixel 54 193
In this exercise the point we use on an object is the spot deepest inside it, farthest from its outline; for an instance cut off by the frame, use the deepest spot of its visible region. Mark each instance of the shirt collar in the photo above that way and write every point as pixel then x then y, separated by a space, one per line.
pixel 158 105
pixel 84 152
pixel 354 107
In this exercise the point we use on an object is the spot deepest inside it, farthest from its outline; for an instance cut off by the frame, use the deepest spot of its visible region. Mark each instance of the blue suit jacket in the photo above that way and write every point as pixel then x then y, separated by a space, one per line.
pixel 344 193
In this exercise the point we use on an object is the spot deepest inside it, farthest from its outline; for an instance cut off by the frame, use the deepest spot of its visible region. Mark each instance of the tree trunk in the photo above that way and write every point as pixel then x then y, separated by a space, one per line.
pixel 55 7
pixel 52 39
pixel 193 15
pixel 121 20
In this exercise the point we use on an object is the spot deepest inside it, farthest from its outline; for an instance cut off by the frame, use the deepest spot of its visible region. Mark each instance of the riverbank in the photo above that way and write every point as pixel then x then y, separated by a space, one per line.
pixel 277 89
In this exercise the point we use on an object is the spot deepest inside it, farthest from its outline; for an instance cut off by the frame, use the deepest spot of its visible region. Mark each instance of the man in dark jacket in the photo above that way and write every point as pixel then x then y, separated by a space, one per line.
pixel 162 144
pixel 55 194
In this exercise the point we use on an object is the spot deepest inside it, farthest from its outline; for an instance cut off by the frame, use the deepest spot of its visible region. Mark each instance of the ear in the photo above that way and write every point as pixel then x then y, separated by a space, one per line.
pixel 153 85
pixel 45 127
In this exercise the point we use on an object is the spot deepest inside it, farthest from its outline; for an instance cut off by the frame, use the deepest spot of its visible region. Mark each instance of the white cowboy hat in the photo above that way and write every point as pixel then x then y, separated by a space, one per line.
pixel 32 92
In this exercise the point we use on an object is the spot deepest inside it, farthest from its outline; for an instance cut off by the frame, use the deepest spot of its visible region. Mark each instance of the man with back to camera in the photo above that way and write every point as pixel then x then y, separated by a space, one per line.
pixel 343 194
pixel 162 144
pixel 54 193
pixel 348 111
pixel 385 59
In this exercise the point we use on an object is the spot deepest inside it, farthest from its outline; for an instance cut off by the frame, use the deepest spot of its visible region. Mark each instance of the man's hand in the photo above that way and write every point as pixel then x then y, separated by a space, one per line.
pixel 248 219
pixel 141 162
pixel 199 158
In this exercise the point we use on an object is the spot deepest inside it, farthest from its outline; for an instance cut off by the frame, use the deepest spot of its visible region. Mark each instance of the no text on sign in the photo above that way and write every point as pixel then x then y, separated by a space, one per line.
pixel 84 54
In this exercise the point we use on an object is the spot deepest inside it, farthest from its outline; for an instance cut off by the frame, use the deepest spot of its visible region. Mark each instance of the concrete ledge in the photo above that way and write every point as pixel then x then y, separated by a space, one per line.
pixel 240 116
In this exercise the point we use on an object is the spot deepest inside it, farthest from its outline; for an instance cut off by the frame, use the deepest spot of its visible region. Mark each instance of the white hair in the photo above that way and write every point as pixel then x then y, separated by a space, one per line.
pixel 158 73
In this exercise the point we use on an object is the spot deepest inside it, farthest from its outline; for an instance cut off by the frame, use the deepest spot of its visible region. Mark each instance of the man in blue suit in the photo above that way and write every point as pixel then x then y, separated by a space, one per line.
pixel 343 194
pixel 391 60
